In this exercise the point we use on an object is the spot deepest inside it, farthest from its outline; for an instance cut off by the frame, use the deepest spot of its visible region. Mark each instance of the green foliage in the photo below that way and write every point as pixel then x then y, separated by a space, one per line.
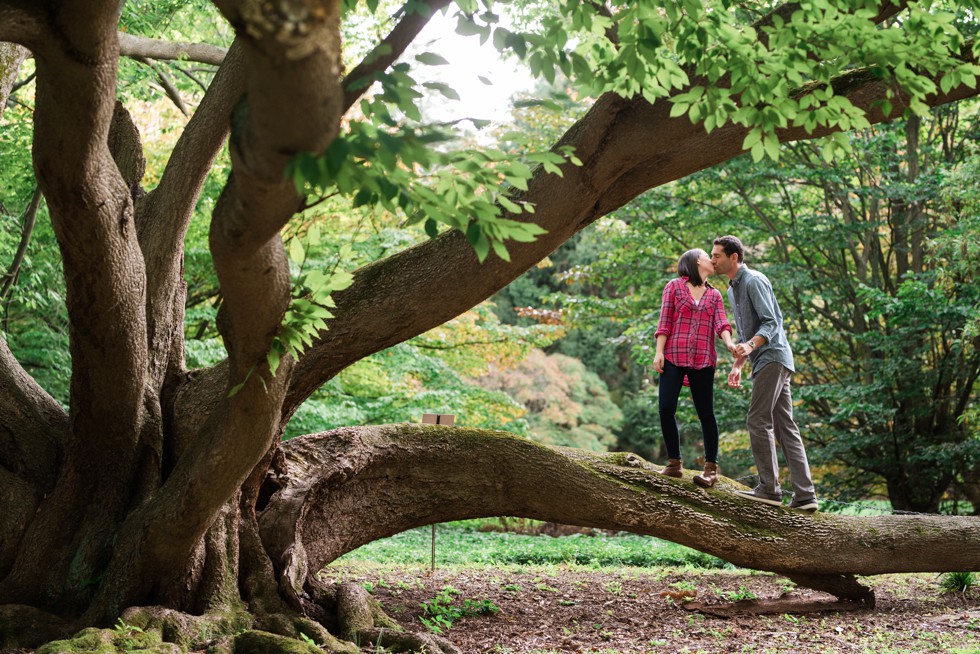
pixel 436 372
pixel 460 543
pixel 870 259
pixel 568 404
pixel 742 593
pixel 311 302
pixel 397 169
pixel 194 21
pixel 128 637
pixel 442 611
pixel 957 582
pixel 719 63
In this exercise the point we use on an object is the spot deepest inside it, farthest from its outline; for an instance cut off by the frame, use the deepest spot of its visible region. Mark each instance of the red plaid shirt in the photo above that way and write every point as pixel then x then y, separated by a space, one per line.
pixel 691 328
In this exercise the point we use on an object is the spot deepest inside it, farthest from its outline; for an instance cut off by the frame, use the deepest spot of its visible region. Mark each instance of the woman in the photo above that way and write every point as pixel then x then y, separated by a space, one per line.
pixel 691 314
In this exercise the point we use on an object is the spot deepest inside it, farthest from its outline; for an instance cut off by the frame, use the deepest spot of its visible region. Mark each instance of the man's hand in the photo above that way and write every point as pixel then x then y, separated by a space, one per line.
pixel 735 378
pixel 742 350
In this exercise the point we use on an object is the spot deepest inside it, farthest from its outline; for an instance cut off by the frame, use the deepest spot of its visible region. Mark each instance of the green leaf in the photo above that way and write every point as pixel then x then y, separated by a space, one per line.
pixel 340 280
pixel 473 233
pixel 236 389
pixel 431 59
pixel 508 205
pixel 501 250
pixel 482 247
pixel 273 359
pixel 297 253
pixel 444 89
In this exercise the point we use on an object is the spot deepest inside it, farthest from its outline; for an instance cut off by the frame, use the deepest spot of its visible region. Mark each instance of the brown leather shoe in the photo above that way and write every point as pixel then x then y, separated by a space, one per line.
pixel 673 469
pixel 710 476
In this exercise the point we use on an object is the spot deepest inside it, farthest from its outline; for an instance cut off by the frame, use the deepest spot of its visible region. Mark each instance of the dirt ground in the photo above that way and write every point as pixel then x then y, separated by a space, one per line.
pixel 576 609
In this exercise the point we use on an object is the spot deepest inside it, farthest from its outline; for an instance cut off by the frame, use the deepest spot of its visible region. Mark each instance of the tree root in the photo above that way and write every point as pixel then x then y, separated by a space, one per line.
pixel 263 642
pixel 184 629
pixel 27 627
pixel 301 629
pixel 109 641
pixel 362 620
pixel 785 604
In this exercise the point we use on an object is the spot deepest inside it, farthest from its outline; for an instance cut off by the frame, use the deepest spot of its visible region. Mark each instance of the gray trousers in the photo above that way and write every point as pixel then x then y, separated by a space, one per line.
pixel 770 419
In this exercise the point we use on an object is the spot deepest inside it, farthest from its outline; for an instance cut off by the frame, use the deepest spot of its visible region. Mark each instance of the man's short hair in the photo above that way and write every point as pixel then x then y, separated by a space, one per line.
pixel 732 246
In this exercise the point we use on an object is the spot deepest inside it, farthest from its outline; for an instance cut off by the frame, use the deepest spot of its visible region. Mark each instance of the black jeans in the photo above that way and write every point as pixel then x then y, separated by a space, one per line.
pixel 702 392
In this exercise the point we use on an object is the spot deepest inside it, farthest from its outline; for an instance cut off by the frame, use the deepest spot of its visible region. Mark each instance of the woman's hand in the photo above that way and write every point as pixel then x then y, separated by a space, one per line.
pixel 658 362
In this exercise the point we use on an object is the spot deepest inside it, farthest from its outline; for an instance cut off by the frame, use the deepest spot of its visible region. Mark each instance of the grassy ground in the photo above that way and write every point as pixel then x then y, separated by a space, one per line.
pixel 476 542
pixel 513 593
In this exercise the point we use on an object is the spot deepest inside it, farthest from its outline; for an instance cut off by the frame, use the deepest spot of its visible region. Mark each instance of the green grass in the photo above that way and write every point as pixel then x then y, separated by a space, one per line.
pixel 460 543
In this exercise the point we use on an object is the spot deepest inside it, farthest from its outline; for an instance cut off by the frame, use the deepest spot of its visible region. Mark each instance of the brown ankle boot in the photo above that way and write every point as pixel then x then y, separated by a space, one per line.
pixel 673 469
pixel 709 477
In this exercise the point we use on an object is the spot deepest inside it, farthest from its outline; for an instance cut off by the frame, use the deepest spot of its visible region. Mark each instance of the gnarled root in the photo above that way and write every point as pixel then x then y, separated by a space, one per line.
pixel 120 639
pixel 362 620
pixel 263 642
pixel 26 627
pixel 185 629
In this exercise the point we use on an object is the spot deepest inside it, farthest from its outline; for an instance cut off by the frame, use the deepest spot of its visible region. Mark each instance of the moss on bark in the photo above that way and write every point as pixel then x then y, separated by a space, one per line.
pixel 263 642
pixel 123 638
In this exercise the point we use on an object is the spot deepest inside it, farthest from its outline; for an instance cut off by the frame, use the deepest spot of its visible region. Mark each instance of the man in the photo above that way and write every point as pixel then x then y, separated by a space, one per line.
pixel 762 339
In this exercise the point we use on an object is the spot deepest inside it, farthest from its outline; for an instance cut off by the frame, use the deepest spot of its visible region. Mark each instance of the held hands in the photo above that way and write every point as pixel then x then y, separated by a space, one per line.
pixel 741 350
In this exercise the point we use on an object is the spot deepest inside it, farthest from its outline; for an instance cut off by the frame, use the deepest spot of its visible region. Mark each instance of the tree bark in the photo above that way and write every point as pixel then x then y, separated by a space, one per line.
pixel 11 57
pixel 396 477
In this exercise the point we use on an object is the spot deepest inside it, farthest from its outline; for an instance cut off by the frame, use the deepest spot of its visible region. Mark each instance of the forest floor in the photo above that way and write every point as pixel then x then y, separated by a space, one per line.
pixel 545 609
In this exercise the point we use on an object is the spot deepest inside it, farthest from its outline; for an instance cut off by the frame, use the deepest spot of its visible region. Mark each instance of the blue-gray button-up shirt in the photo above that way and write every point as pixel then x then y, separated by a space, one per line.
pixel 757 314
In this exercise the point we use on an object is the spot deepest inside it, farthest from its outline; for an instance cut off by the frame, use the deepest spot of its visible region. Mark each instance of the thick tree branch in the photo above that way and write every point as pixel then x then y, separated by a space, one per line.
pixel 627 146
pixel 416 16
pixel 33 426
pixel 140 47
pixel 92 214
pixel 21 22
pixel 11 57
pixel 33 431
pixel 458 473
pixel 164 215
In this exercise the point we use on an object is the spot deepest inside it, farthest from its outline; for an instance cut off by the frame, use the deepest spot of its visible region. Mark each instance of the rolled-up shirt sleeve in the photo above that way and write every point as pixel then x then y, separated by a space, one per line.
pixel 721 320
pixel 763 303
pixel 666 311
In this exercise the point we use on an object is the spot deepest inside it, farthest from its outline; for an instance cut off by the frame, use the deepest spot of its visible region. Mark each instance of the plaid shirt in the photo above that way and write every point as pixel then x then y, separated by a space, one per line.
pixel 691 328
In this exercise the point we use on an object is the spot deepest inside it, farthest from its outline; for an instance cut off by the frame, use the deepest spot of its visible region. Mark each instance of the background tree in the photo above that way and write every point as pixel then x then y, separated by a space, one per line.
pixel 879 308
pixel 167 487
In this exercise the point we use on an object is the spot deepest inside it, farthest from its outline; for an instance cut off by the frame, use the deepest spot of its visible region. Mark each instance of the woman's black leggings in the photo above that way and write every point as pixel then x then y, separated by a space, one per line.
pixel 702 392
